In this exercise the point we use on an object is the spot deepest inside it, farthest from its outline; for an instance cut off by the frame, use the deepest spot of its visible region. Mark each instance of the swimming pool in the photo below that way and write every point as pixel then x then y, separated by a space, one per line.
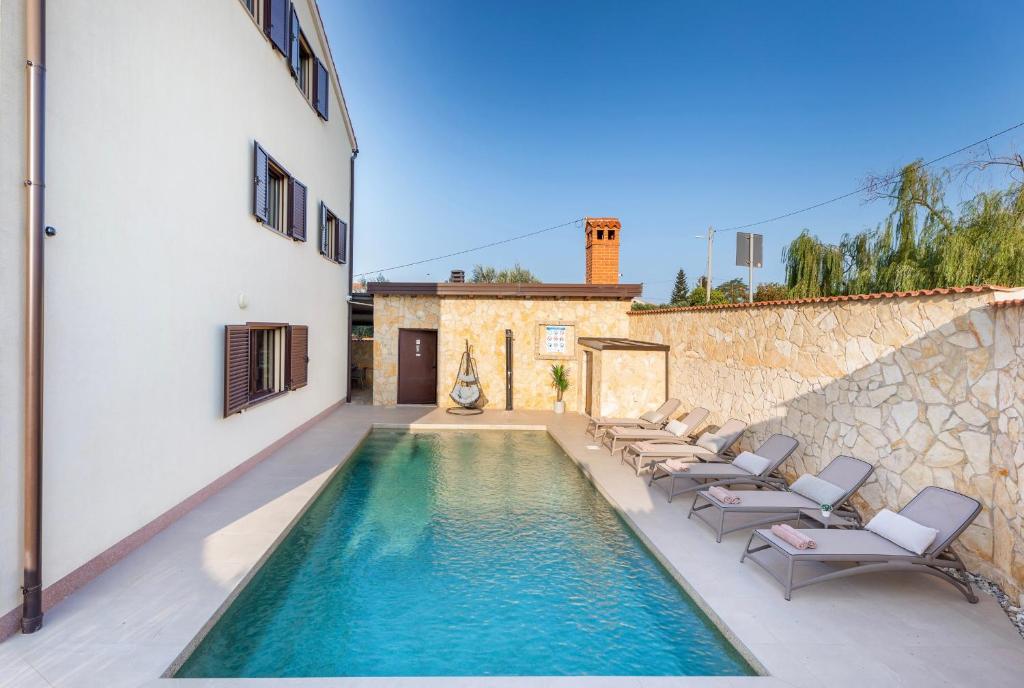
pixel 457 553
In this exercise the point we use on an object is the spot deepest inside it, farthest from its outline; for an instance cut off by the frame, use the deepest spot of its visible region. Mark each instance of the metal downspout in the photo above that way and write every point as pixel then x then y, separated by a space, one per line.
pixel 35 186
pixel 351 274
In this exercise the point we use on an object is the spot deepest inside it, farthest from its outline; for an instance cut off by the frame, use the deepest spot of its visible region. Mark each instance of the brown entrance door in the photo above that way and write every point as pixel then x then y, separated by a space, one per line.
pixel 417 366
pixel 589 403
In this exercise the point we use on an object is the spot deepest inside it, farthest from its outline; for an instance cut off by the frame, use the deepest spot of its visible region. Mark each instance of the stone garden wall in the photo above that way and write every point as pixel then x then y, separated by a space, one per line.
pixel 482 322
pixel 928 387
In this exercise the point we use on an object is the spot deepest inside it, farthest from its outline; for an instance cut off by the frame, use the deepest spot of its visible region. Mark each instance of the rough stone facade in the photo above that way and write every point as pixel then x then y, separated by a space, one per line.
pixel 928 388
pixel 391 313
pixel 483 321
pixel 625 383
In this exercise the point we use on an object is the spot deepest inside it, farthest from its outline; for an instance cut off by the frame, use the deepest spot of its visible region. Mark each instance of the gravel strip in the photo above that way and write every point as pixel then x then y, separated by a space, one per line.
pixel 1013 612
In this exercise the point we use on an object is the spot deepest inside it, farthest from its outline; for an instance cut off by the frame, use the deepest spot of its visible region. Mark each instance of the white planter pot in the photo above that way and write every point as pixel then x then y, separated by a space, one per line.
pixel 559 407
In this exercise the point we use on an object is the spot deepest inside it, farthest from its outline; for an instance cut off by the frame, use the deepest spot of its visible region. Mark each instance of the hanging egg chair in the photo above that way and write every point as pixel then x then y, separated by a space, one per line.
pixel 467 392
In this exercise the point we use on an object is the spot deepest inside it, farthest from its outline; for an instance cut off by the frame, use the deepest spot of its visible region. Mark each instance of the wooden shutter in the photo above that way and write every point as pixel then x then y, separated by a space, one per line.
pixel 275 23
pixel 324 239
pixel 293 42
pixel 259 182
pixel 297 204
pixel 339 240
pixel 298 356
pixel 236 368
pixel 320 93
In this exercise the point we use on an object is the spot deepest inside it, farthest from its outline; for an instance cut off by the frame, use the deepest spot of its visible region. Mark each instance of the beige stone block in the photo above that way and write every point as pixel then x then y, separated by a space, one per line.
pixel 919 437
pixel 904 414
pixel 937 415
pixel 942 455
pixel 984 390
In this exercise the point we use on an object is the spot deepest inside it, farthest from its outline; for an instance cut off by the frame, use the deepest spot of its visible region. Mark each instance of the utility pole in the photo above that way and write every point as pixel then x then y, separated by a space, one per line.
pixel 707 277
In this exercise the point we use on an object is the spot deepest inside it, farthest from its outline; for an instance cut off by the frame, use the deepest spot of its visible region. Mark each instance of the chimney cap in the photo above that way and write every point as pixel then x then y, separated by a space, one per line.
pixel 602 223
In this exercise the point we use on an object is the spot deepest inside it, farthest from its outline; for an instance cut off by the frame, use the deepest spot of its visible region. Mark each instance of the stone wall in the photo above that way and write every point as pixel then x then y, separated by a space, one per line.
pixel 928 388
pixel 483 321
pixel 391 313
pixel 625 383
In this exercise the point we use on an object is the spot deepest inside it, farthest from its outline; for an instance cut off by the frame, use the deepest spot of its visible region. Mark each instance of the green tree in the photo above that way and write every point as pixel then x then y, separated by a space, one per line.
pixel 517 274
pixel 698 297
pixel 922 244
pixel 735 290
pixel 681 290
pixel 771 291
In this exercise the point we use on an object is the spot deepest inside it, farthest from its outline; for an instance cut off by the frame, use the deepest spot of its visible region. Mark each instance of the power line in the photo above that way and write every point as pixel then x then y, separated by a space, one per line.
pixel 871 185
pixel 475 248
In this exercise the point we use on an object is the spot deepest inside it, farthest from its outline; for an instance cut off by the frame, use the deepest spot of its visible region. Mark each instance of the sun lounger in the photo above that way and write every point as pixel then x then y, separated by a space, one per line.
pixel 710 446
pixel 853 552
pixel 617 436
pixel 773 451
pixel 844 472
pixel 652 420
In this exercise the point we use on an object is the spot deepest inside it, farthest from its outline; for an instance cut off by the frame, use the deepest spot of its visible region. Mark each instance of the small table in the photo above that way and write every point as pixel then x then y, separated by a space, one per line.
pixel 833 521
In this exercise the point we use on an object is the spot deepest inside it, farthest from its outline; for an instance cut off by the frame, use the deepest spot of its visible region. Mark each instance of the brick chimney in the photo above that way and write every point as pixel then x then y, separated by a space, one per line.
pixel 602 234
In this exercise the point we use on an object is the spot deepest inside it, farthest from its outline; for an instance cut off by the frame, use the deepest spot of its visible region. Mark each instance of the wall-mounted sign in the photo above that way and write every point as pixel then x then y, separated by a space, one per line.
pixel 556 340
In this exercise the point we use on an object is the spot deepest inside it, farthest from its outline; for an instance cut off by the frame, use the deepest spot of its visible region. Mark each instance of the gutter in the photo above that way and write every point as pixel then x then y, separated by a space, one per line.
pixel 35 186
pixel 351 275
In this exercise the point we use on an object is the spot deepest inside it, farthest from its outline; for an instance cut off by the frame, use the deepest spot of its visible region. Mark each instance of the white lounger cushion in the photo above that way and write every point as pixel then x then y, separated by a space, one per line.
pixel 902 531
pixel 751 462
pixel 712 442
pixel 677 427
pixel 817 490
pixel 651 416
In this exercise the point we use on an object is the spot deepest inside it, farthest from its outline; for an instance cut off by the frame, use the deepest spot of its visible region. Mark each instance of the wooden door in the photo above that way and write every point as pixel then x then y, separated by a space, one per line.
pixel 417 366
pixel 588 357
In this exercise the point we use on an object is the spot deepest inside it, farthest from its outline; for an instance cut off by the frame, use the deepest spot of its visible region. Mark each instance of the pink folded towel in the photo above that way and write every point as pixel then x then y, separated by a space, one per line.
pixel 677 466
pixel 795 537
pixel 723 495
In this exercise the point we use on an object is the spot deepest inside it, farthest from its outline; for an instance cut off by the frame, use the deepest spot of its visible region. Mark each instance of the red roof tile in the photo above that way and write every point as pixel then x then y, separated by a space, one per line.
pixel 836 299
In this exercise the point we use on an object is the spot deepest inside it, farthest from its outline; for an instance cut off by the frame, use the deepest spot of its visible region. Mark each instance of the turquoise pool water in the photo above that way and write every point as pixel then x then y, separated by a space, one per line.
pixel 461 554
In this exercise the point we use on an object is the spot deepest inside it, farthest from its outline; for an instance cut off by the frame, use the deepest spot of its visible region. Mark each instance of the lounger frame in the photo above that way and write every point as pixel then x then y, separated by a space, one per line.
pixel 778 515
pixel 938 564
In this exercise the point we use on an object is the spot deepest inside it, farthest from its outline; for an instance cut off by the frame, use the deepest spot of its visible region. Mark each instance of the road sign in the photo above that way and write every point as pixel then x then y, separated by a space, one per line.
pixel 743 250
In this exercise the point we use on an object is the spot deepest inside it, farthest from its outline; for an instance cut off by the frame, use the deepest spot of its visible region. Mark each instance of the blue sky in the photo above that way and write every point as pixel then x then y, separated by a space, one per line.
pixel 482 120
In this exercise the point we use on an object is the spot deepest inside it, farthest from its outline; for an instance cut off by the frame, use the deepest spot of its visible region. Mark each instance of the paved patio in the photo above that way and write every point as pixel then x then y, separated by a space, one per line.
pixel 130 624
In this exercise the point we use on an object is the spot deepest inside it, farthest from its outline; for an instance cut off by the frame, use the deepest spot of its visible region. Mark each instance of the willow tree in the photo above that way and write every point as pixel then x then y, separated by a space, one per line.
pixel 813 268
pixel 987 246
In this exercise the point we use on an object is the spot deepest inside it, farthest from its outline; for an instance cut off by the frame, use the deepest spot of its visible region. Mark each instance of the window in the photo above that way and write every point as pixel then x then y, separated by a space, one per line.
pixel 255 8
pixel 276 202
pixel 333 235
pixel 304 69
pixel 279 200
pixel 263 360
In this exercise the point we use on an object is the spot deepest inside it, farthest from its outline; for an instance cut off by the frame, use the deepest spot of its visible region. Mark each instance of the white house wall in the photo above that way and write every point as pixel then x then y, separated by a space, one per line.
pixel 152 110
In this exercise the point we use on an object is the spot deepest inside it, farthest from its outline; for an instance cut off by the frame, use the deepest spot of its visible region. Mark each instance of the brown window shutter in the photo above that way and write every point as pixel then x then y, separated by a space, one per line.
pixel 339 240
pixel 297 202
pixel 298 356
pixel 259 183
pixel 320 89
pixel 324 239
pixel 293 42
pixel 275 22
pixel 236 368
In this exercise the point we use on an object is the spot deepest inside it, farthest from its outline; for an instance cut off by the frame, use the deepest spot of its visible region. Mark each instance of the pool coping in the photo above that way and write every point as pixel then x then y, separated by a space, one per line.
pixel 691 592
pixel 135 621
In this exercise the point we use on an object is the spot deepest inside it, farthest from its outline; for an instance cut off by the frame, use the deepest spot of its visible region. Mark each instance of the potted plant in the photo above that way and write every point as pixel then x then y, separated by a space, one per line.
pixel 826 511
pixel 560 381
